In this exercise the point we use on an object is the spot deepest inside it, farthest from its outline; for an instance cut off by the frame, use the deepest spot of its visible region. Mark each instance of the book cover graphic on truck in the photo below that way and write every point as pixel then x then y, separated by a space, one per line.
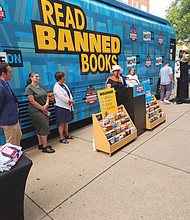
pixel 2 13
pixel 91 96
pixel 148 61
pixel 160 39
pixel 133 33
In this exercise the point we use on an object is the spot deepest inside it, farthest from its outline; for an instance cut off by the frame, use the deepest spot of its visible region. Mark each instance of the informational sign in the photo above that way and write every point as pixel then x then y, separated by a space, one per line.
pixel 107 100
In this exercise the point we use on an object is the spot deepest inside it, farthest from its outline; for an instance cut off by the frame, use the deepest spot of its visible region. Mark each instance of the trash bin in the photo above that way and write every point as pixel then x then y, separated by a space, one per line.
pixel 182 89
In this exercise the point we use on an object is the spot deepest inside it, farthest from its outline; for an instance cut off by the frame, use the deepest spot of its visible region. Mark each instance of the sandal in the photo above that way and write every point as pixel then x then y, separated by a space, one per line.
pixel 69 137
pixel 63 141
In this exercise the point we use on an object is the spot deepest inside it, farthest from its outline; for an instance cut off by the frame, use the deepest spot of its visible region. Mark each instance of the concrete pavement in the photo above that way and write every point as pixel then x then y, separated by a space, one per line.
pixel 148 179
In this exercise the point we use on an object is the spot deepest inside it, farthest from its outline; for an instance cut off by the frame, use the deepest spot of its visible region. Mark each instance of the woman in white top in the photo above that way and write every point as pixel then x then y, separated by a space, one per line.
pixel 63 107
pixel 132 78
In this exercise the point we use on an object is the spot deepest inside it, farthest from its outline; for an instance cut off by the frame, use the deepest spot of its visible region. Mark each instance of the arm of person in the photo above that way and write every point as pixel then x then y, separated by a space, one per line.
pixel 2 94
pixel 71 101
pixel 62 94
pixel 137 79
pixel 36 104
pixel 171 74
pixel 107 83
pixel 108 86
pixel 47 103
pixel 171 78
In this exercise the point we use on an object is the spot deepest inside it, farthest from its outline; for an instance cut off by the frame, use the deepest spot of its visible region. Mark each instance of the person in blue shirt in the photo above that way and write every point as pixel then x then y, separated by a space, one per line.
pixel 9 118
pixel 166 80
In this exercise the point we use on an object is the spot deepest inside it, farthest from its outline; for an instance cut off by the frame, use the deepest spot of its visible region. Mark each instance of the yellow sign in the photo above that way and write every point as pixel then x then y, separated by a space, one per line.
pixel 107 100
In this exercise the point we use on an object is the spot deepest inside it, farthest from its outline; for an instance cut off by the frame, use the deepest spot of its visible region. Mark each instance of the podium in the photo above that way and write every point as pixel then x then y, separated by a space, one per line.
pixel 135 106
pixel 12 187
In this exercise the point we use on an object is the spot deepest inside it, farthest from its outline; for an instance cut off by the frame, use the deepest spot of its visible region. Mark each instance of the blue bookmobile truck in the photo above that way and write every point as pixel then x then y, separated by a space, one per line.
pixel 82 38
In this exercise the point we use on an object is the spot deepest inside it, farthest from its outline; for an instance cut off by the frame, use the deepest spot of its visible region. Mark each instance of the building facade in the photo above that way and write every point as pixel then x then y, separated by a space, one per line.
pixel 140 4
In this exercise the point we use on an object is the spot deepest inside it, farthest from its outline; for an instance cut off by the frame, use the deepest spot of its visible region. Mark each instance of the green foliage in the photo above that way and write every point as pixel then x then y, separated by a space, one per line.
pixel 178 14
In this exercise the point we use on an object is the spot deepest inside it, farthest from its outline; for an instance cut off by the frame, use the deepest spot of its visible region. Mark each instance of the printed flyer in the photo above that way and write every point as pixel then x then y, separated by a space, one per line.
pixel 107 100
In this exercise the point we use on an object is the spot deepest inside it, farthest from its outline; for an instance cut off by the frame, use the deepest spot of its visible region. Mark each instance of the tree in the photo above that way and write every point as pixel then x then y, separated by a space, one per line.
pixel 178 14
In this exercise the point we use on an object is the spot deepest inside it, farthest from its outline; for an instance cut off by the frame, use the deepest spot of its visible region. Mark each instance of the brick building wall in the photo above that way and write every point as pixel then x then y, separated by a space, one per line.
pixel 140 4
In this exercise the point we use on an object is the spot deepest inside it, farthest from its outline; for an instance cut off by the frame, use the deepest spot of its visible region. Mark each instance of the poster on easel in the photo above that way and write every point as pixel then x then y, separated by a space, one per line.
pixel 108 103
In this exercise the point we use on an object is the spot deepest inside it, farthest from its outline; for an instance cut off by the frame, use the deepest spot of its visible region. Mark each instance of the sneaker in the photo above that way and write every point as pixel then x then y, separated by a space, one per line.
pixel 161 101
pixel 166 101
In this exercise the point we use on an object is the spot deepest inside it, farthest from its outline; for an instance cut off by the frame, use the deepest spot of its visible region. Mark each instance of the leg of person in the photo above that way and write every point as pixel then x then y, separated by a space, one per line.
pixel 67 135
pixel 61 130
pixel 162 92
pixel 70 117
pixel 168 93
pixel 41 124
pixel 19 134
pixel 40 145
pixel 46 148
pixel 65 129
pixel 8 133
pixel 39 139
pixel 60 116
pixel 44 140
pixel 12 134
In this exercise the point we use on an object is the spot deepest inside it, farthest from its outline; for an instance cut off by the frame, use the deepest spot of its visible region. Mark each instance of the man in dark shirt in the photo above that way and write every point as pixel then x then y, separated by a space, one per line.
pixel 9 120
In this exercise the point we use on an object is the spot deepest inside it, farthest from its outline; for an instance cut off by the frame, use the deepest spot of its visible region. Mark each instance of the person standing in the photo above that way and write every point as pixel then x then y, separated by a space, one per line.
pixel 38 110
pixel 63 107
pixel 116 81
pixel 9 114
pixel 166 80
pixel 132 78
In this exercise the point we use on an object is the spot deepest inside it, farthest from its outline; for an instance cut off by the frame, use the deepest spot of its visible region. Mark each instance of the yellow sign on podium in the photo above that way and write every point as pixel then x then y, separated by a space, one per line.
pixel 107 100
